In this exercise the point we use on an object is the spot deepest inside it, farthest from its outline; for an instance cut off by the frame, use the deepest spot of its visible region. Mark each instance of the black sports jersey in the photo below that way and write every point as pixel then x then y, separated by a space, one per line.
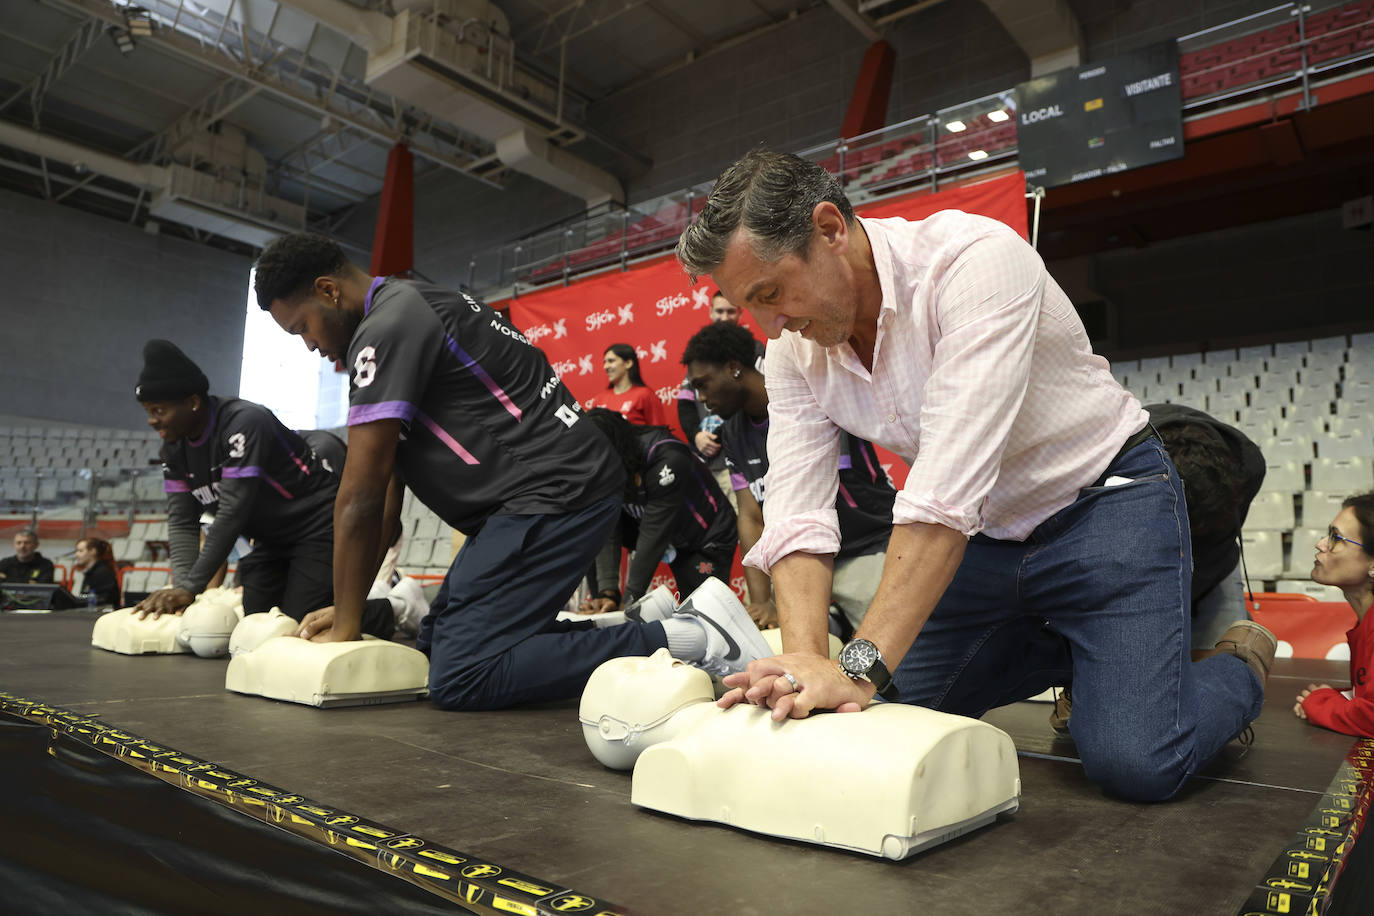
pixel 863 503
pixel 679 503
pixel 488 426
pixel 274 488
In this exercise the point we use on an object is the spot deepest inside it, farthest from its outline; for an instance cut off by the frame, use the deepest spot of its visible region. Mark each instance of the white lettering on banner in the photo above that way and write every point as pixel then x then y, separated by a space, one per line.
pixel 565 366
pixel 560 328
pixel 549 387
pixel 1162 142
pixel 1089 74
pixel 1082 176
pixel 1158 81
pixel 658 352
pixel 1041 114
pixel 669 304
pixel 596 319
pixel 504 329
pixel 701 297
pixel 584 364
pixel 667 395
pixel 1037 173
pixel 537 332
pixel 627 313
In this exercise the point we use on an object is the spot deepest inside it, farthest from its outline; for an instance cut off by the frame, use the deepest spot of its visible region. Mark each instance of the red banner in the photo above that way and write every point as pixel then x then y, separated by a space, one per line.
pixel 654 307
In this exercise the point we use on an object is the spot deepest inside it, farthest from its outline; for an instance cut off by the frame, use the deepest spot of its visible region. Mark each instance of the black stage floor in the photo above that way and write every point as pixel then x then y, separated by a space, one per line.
pixel 520 788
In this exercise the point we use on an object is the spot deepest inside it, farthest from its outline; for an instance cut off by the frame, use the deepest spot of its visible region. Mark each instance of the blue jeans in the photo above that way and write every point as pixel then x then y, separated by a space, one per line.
pixel 1098 597
pixel 492 636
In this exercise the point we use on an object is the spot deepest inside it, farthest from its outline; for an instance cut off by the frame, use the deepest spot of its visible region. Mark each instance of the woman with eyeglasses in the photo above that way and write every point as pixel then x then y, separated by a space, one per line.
pixel 1345 559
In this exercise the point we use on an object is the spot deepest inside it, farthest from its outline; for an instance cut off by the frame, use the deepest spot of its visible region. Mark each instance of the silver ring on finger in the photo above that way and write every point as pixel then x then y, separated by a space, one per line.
pixel 786 676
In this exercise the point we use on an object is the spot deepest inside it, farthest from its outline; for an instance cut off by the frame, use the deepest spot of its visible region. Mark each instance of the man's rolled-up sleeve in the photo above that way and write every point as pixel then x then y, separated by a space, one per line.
pixel 803 468
pixel 987 310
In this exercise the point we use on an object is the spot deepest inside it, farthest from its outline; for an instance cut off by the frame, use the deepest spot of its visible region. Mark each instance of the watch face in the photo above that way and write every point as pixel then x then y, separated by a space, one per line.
pixel 858 656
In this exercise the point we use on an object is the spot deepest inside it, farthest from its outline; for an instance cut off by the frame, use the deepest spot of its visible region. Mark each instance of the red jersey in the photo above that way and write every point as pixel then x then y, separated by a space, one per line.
pixel 638 405
pixel 1352 715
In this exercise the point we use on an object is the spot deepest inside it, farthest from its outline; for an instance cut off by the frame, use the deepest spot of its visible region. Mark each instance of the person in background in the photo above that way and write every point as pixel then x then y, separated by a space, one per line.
pixel 96 562
pixel 230 464
pixel 700 425
pixel 720 366
pixel 626 392
pixel 1222 470
pixel 1345 560
pixel 673 510
pixel 27 565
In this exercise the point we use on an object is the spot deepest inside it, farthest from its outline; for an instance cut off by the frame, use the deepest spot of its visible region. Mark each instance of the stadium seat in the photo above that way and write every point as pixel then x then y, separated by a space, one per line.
pixel 1284 476
pixel 1302 544
pixel 1355 444
pixel 1263 553
pixel 1271 511
pixel 1342 475
pixel 1305 627
pixel 1319 508
pixel 1310 589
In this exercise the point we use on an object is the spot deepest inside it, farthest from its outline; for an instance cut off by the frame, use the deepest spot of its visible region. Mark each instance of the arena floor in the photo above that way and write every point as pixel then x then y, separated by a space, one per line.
pixel 520 789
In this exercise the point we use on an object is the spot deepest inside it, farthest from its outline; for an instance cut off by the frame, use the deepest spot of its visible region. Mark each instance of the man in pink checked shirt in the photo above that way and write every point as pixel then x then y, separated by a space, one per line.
pixel 1041 538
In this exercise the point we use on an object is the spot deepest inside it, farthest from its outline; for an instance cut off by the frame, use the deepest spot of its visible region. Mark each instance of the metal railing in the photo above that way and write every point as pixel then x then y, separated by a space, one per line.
pixel 1271 51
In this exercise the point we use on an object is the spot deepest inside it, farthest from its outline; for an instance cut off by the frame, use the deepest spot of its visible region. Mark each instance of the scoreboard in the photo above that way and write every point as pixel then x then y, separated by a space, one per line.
pixel 1117 114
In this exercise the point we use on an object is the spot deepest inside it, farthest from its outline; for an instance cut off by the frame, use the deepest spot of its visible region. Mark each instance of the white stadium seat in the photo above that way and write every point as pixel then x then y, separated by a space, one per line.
pixel 1270 510
pixel 1301 546
pixel 1263 553
pixel 1284 477
pixel 1319 508
pixel 1349 476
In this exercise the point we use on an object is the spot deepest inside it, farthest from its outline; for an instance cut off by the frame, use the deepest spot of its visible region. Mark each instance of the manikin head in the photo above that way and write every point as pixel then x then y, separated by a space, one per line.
pixel 628 704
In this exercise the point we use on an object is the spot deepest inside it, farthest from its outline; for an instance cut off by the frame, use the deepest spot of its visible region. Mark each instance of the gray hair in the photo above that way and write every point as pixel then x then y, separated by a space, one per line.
pixel 770 197
pixel 26 532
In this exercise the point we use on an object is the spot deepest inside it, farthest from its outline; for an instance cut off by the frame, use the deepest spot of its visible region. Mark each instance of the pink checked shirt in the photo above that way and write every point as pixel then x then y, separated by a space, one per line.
pixel 983 381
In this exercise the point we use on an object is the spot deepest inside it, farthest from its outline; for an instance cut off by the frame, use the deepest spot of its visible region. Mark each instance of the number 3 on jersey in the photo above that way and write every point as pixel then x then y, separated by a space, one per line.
pixel 365 367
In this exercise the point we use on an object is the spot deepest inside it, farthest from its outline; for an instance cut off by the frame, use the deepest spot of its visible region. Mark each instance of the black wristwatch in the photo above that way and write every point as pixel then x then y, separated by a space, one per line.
pixel 861 660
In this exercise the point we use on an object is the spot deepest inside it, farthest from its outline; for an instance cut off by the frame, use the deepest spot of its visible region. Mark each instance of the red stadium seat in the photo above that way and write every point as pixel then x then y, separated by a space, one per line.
pixel 1310 627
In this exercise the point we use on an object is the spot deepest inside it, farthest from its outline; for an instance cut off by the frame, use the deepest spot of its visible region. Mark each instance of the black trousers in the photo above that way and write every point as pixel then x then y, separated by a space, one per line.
pixel 299 578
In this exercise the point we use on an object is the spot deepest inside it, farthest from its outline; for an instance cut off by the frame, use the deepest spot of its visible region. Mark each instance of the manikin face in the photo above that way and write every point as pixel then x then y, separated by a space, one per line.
pixel 1339 562
pixel 723 310
pixel 25 545
pixel 173 420
pixel 318 320
pixel 85 553
pixel 616 368
pixel 717 388
pixel 815 297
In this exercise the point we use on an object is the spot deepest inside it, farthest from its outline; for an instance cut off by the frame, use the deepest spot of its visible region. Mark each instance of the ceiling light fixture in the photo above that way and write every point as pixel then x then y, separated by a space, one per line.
pixel 999 115
pixel 977 154
pixel 955 126
pixel 139 21
pixel 121 38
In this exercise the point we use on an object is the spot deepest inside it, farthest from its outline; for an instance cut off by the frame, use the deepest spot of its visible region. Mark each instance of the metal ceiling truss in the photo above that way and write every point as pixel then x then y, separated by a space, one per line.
pixel 288 75
pixel 71 50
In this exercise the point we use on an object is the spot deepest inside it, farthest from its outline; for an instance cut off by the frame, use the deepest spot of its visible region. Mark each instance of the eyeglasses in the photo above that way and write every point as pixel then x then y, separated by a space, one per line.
pixel 1334 537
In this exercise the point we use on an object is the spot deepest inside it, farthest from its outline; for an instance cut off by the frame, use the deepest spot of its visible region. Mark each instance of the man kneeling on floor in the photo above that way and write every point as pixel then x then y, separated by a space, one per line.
pixel 1041 537
pixel 449 399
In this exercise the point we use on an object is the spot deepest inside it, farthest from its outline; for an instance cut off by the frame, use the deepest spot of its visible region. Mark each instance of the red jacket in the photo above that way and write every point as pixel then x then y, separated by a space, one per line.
pixel 1330 708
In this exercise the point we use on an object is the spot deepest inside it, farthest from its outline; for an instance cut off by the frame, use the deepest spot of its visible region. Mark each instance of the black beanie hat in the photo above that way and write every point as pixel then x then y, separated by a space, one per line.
pixel 168 374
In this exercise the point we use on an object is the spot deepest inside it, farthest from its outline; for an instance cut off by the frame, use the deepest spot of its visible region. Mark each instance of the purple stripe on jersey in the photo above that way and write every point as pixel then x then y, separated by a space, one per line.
pixel 382 410
pixel 487 380
pixel 738 482
pixel 849 500
pixel 700 521
pixel 445 438
pixel 846 462
pixel 175 486
pixel 686 394
pixel 367 303
pixel 254 471
pixel 296 459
